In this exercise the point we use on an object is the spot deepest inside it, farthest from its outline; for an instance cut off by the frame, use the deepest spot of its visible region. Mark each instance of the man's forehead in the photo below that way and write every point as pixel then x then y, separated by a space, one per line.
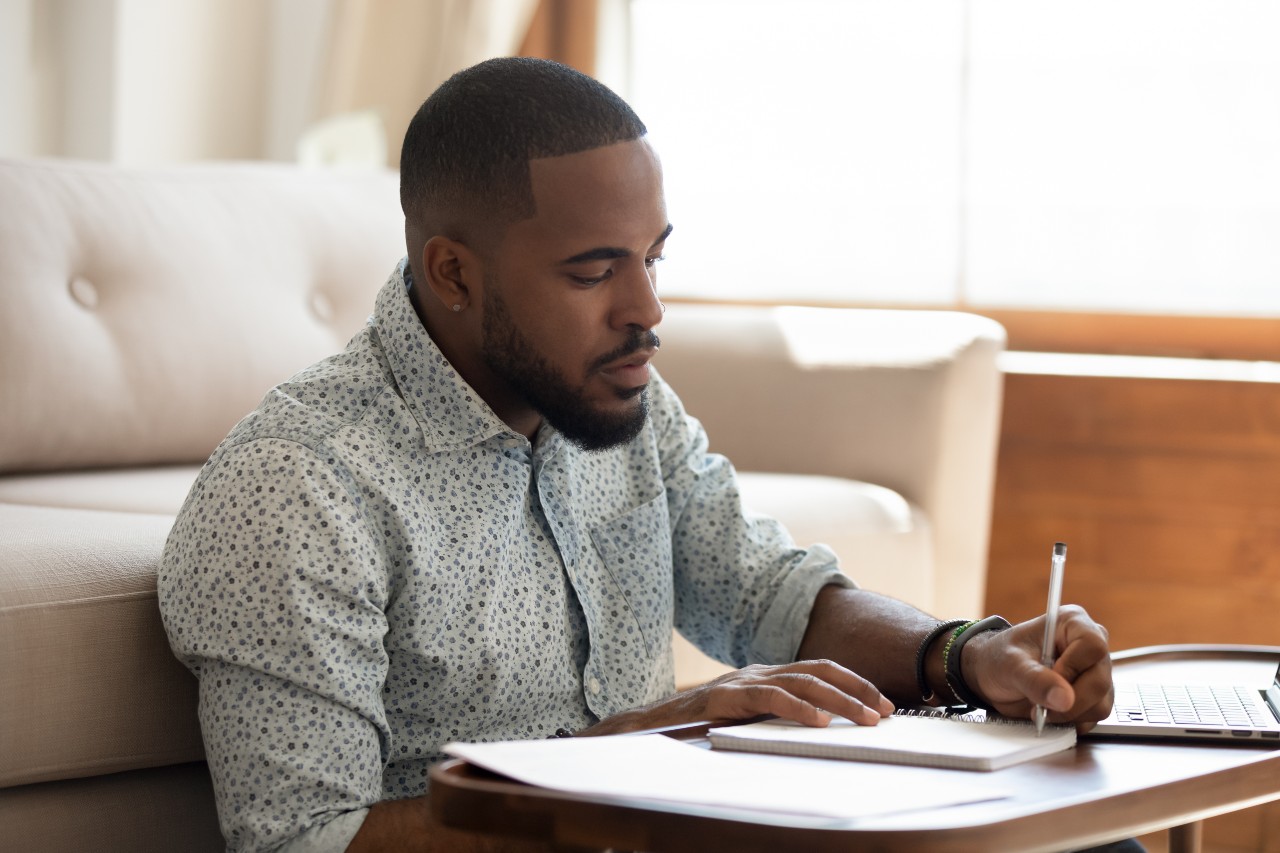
pixel 607 186
pixel 629 160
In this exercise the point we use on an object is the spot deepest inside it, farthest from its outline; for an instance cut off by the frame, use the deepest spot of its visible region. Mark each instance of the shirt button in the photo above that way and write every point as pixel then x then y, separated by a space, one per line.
pixel 593 684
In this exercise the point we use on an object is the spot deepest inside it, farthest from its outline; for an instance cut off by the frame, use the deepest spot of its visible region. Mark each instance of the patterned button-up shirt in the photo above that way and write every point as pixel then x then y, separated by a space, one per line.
pixel 373 564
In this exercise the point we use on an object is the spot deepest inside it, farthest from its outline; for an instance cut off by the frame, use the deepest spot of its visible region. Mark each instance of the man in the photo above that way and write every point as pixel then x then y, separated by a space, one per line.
pixel 482 520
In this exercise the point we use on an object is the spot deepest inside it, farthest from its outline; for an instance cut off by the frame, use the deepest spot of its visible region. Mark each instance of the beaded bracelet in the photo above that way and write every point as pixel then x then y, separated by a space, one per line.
pixel 951 659
pixel 946 660
pixel 927 696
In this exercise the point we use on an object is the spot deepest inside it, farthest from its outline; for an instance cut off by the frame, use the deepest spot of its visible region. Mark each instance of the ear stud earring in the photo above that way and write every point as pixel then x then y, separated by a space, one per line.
pixel 457 308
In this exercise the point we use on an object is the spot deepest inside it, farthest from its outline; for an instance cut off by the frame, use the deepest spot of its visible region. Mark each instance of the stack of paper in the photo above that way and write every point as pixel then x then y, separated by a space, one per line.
pixel 658 768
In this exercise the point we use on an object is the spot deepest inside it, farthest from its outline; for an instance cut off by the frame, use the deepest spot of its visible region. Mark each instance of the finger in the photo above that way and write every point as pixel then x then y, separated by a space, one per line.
pixel 1085 661
pixel 1089 678
pixel 1082 644
pixel 847 681
pixel 1093 702
pixel 1043 686
pixel 825 695
pixel 737 701
pixel 1086 719
pixel 789 692
pixel 1099 710
pixel 1071 699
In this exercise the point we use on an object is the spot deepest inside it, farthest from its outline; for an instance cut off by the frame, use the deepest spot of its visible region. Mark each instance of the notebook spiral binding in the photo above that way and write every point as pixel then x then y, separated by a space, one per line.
pixel 961 716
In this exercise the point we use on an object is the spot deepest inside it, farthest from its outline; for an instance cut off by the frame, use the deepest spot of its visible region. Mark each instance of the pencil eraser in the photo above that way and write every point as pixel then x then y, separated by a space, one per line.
pixel 1059 549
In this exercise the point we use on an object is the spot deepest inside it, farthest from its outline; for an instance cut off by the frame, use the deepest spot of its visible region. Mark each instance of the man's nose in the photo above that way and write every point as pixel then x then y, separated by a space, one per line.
pixel 638 304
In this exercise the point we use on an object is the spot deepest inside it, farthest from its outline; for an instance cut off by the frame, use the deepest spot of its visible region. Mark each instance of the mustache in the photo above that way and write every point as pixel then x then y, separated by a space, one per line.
pixel 638 341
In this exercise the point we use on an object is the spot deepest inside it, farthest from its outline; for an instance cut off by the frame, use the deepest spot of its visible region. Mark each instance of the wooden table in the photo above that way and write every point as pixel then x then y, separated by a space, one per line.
pixel 1101 791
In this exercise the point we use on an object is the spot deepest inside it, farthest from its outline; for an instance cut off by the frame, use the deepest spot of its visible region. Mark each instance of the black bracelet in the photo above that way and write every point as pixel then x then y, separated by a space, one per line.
pixel 561 732
pixel 951 660
pixel 927 696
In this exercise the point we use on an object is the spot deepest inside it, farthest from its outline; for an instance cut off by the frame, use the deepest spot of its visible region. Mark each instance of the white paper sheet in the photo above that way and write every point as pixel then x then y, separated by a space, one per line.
pixel 656 767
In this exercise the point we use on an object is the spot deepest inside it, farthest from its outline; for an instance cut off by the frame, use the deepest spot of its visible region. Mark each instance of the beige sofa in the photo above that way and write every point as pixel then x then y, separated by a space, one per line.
pixel 145 311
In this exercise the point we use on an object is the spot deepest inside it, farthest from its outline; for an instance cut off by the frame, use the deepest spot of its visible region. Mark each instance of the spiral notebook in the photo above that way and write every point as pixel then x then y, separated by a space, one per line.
pixel 920 737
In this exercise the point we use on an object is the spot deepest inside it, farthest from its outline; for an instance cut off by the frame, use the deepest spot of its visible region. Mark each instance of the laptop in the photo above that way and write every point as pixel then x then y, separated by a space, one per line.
pixel 1195 711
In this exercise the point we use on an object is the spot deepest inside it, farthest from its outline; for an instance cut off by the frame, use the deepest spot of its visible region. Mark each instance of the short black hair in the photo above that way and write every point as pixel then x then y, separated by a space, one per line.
pixel 468 148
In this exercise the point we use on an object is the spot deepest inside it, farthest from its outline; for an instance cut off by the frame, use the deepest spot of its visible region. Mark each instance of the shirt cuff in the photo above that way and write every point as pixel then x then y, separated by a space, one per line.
pixel 782 629
pixel 330 837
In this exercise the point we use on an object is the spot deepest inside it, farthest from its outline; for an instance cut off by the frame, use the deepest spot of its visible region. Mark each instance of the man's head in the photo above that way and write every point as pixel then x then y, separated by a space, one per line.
pixel 464 164
pixel 534 215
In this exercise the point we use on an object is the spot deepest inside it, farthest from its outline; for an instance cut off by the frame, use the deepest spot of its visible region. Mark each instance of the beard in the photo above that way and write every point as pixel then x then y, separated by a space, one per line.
pixel 566 407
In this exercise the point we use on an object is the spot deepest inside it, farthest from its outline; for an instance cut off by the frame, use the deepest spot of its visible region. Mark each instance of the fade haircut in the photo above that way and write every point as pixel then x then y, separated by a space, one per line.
pixel 466 153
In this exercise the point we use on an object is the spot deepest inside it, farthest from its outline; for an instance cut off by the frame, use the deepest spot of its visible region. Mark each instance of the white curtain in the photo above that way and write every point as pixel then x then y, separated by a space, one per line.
pixel 152 81
pixel 386 56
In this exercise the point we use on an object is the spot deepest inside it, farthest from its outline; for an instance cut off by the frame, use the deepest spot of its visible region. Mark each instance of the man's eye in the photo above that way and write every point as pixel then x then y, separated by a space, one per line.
pixel 590 280
pixel 653 261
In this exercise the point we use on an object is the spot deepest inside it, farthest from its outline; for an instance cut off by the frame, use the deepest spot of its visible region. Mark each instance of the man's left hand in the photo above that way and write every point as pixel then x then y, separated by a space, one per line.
pixel 1005 668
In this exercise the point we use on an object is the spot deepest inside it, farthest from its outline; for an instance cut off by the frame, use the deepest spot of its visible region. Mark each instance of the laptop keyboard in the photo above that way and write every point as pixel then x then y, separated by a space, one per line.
pixel 1192 705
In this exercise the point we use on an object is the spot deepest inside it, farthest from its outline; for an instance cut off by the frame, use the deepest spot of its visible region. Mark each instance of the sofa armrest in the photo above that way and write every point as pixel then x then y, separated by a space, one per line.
pixel 909 400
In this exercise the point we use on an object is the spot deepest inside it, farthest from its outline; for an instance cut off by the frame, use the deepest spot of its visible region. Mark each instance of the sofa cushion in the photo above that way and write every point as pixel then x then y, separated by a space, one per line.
pixel 158 490
pixel 89 683
pixel 146 311
pixel 158 810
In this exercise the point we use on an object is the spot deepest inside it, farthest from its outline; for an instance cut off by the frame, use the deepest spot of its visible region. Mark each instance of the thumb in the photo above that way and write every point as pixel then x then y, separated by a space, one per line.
pixel 1046 687
pixel 1059 697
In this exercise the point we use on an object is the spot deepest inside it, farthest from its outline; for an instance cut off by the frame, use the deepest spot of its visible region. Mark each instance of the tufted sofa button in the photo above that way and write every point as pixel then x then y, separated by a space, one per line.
pixel 84 292
pixel 322 307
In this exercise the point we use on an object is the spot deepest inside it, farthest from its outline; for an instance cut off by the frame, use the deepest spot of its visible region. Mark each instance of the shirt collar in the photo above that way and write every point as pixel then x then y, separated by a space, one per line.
pixel 451 413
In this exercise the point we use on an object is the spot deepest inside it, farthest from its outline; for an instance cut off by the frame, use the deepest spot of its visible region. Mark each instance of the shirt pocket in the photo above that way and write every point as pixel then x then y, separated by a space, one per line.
pixel 635 548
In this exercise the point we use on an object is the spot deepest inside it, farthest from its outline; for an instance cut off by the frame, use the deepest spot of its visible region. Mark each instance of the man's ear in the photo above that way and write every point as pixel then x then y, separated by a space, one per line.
pixel 451 271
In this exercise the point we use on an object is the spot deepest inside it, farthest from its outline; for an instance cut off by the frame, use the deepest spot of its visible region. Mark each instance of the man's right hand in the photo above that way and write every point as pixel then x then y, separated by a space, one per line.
pixel 809 692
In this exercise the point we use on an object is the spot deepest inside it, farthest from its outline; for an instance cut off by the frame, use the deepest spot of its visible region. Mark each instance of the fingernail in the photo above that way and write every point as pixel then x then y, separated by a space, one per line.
pixel 886 707
pixel 1058 699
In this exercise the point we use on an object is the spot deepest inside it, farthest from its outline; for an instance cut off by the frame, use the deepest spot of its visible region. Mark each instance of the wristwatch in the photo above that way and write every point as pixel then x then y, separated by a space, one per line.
pixel 951 660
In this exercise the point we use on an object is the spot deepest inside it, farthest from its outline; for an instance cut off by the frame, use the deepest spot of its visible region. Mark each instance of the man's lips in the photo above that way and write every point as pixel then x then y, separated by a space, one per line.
pixel 642 346
pixel 635 359
pixel 631 370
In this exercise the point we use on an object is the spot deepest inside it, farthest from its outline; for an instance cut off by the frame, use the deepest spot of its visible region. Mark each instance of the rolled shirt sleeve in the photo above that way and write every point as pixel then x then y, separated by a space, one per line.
pixel 332 837
pixel 273 592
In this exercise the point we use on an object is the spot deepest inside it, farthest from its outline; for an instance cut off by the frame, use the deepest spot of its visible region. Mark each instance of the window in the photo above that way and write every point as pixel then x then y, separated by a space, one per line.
pixel 1098 155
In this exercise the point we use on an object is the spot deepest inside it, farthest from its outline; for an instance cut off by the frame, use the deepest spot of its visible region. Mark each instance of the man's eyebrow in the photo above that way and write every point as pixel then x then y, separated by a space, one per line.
pixel 609 253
